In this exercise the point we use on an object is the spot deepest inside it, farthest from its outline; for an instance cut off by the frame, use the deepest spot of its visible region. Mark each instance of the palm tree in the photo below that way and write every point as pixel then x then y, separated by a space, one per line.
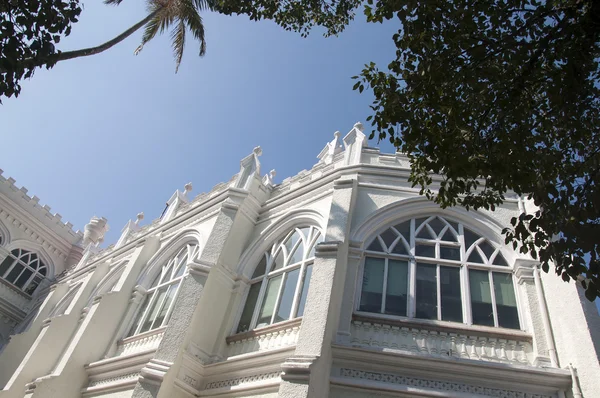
pixel 162 14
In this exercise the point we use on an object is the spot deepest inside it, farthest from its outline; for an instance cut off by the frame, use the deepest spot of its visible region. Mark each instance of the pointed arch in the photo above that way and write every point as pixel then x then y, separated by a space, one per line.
pixel 295 218
pixel 37 249
pixel 4 235
pixel 170 249
pixel 61 307
pixel 108 282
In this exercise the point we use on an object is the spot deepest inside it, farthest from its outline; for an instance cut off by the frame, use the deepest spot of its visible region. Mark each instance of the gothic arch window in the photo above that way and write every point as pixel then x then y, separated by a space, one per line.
pixel 23 269
pixel 160 296
pixel 280 281
pixel 63 304
pixel 437 269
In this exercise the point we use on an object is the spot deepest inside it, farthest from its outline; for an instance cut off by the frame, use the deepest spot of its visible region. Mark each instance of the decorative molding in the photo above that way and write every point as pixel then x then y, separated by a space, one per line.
pixel 240 380
pixel 155 371
pixel 272 337
pixel 132 376
pixel 438 385
pixel 141 342
pixel 297 368
pixel 439 343
pixel 327 249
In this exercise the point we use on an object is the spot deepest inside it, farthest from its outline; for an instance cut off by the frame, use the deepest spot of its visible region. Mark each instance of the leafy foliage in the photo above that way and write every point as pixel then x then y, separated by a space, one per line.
pixel 29 31
pixel 498 97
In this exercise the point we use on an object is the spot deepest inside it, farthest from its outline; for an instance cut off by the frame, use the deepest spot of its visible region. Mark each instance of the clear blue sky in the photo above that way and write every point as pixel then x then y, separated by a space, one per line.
pixel 115 134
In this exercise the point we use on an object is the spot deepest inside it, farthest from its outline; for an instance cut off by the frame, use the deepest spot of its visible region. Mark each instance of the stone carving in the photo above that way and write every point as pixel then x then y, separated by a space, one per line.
pixel 94 231
pixel 436 343
pixel 102 382
pixel 240 380
pixel 266 341
pixel 144 343
pixel 437 384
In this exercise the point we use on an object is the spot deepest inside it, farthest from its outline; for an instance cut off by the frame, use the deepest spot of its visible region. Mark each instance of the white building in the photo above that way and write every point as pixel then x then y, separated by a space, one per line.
pixel 341 281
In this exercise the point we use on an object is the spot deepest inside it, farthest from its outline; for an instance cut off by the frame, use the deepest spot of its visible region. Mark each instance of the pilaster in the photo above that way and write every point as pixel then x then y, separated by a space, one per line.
pixel 20 344
pixel 96 330
pixel 306 373
pixel 533 310
pixel 188 329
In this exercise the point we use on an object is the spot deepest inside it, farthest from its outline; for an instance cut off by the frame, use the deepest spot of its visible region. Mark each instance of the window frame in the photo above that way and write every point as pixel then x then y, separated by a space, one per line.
pixel 188 252
pixel 270 256
pixel 463 265
pixel 36 273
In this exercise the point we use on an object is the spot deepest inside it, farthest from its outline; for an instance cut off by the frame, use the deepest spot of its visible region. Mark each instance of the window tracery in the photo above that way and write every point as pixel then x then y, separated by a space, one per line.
pixel 23 269
pixel 160 297
pixel 280 281
pixel 435 268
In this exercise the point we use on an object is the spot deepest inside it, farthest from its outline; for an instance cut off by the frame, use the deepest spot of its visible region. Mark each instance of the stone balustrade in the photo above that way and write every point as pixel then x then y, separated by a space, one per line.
pixel 496 347
pixel 271 337
pixel 142 342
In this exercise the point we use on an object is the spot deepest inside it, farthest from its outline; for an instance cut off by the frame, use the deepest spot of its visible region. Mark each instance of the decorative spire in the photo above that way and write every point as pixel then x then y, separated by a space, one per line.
pixel 249 167
pixel 268 178
pixel 140 217
pixel 94 231
pixel 331 149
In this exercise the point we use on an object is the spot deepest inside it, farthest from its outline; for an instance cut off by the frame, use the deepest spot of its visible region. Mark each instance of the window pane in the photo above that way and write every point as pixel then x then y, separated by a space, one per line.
pixel 160 318
pixel 261 267
pixel 296 256
pixel 474 257
pixel 372 285
pixel 450 291
pixel 139 315
pixel 248 311
pixel 499 260
pixel 268 305
pixel 424 250
pixel 33 284
pixel 487 249
pixel 397 288
pixel 278 262
pixel 23 278
pixel 304 291
pixel 6 265
pixel 506 303
pixel 437 225
pixel 14 273
pixel 404 229
pixel 389 236
pixel 153 312
pixel 287 296
pixel 450 253
pixel 481 298
pixel 400 248
pixel 375 246
pixel 470 238
pixel 426 296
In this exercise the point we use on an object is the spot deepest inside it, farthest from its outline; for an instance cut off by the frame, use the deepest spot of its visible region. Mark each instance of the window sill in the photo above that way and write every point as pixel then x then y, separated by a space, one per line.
pixel 443 326
pixel 15 289
pixel 264 330
pixel 142 335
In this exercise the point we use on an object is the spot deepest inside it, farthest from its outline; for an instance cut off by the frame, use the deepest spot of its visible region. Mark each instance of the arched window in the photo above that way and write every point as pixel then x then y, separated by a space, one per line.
pixel 160 296
pixel 23 269
pixel 280 281
pixel 434 268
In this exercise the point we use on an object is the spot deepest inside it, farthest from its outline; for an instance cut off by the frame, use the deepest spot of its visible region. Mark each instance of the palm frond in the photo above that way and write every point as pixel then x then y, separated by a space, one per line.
pixel 202 5
pixel 194 22
pixel 178 38
pixel 113 2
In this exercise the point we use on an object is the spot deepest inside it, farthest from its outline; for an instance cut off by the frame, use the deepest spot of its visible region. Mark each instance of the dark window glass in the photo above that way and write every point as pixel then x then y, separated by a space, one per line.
pixel 474 257
pixel 287 296
pixel 450 253
pixel 388 236
pixel 404 229
pixel 260 268
pixel 506 302
pixel 437 225
pixel 450 292
pixel 375 246
pixel 372 286
pixel 424 250
pixel 246 318
pixel 426 295
pixel 397 288
pixel 305 286
pixel 481 298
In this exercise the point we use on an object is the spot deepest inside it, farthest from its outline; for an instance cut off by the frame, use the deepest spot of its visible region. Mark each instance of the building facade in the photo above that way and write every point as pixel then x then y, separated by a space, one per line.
pixel 341 281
